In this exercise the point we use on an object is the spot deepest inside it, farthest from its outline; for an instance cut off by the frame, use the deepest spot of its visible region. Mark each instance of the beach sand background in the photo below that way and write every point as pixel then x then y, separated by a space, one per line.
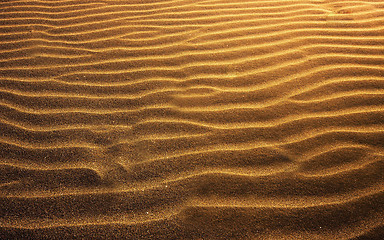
pixel 192 119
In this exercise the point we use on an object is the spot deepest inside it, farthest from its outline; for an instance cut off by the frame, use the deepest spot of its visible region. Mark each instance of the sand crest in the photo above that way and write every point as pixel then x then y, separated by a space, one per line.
pixel 191 119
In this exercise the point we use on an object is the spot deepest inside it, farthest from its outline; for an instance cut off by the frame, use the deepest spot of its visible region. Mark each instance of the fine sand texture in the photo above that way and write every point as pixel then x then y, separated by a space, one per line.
pixel 192 119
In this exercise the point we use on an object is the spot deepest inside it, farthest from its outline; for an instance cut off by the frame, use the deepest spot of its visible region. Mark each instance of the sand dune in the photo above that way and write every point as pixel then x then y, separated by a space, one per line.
pixel 185 119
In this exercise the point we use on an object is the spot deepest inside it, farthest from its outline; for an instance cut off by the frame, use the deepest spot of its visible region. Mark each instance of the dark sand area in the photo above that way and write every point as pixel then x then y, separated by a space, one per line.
pixel 192 119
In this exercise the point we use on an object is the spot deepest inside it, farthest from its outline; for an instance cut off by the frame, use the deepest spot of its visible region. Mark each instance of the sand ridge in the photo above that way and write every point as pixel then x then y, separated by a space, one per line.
pixel 185 119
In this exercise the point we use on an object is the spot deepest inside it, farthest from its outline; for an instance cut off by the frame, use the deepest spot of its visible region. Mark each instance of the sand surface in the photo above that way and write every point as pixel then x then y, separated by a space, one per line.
pixel 192 119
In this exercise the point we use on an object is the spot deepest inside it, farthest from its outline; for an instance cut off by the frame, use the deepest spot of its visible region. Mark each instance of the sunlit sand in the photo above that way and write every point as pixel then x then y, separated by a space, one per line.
pixel 189 119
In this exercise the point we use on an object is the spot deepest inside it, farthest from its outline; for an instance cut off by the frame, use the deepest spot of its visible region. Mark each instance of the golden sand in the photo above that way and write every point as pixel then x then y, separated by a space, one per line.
pixel 192 119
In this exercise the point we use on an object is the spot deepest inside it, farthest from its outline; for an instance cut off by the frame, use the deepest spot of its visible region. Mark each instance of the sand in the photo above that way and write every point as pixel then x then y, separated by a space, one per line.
pixel 192 119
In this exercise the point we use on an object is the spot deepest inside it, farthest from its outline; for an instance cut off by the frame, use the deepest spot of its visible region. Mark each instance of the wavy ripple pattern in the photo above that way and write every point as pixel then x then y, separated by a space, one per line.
pixel 185 119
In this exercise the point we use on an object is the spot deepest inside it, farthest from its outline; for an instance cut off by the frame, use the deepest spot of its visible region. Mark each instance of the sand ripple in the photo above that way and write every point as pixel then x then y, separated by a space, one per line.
pixel 184 119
